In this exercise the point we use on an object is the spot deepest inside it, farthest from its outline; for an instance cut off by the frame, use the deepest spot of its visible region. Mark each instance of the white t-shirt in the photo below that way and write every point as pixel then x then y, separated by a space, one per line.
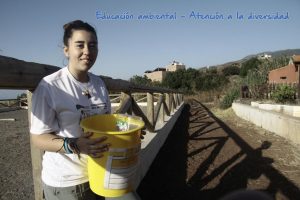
pixel 58 105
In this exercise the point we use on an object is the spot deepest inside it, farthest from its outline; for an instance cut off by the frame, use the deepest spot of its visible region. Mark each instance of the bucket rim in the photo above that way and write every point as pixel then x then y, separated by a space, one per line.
pixel 140 124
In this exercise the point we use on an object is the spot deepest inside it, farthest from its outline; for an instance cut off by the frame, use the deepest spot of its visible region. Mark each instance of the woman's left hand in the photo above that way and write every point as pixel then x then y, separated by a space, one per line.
pixel 92 147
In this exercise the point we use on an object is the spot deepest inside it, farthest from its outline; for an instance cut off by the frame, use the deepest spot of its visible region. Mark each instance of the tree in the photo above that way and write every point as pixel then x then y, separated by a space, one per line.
pixel 252 63
pixel 209 81
pixel 212 70
pixel 182 79
pixel 173 79
pixel 279 62
pixel 140 80
pixel 188 79
pixel 21 96
pixel 231 70
pixel 257 78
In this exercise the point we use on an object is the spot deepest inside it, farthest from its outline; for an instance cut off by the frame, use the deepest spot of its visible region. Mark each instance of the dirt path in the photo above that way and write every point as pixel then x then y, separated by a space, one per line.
pixel 204 158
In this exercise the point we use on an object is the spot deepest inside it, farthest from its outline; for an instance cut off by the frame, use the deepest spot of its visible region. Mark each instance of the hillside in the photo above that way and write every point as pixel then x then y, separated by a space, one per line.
pixel 274 54
pixel 287 52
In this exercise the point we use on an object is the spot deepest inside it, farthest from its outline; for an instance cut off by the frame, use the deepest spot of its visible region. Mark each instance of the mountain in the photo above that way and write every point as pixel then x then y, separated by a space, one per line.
pixel 274 54
pixel 287 52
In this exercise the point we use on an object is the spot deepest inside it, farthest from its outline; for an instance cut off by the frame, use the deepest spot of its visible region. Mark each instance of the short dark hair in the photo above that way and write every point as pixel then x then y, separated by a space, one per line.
pixel 76 25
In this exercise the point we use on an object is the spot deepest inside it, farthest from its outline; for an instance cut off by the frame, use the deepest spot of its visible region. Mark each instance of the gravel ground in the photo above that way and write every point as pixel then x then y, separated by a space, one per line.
pixel 16 175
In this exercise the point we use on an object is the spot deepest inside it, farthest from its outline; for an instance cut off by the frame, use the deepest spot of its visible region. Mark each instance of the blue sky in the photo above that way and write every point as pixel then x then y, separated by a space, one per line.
pixel 32 31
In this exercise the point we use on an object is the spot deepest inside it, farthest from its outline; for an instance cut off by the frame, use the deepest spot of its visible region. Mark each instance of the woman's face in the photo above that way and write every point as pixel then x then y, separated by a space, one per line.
pixel 82 50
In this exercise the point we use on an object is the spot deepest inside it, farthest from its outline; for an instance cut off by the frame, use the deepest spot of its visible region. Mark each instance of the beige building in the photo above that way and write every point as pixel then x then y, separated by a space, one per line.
pixel 159 73
pixel 175 66
pixel 156 75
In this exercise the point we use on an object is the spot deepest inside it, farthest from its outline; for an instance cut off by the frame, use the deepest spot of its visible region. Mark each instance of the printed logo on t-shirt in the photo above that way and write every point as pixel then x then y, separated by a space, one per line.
pixel 92 109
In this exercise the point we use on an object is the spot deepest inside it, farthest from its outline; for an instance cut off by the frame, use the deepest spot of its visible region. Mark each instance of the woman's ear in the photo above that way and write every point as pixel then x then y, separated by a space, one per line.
pixel 66 51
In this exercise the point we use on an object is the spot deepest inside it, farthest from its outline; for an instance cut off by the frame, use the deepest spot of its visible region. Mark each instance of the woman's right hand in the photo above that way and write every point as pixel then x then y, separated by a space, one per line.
pixel 92 147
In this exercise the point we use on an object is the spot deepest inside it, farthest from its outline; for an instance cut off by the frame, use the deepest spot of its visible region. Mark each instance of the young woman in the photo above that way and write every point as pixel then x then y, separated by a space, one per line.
pixel 59 102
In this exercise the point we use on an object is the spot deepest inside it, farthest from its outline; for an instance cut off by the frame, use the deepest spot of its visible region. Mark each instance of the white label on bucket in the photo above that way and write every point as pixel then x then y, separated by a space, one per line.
pixel 121 166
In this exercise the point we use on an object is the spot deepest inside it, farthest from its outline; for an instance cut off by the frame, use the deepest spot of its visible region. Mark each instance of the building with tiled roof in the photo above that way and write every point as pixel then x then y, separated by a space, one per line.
pixel 296 58
pixel 288 73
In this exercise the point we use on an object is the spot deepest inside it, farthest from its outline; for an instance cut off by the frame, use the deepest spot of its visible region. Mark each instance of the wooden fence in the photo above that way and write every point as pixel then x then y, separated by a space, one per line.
pixel 12 103
pixel 17 74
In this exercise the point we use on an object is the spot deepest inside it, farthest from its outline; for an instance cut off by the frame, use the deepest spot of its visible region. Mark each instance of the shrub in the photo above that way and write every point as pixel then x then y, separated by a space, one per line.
pixel 231 70
pixel 207 81
pixel 284 94
pixel 228 99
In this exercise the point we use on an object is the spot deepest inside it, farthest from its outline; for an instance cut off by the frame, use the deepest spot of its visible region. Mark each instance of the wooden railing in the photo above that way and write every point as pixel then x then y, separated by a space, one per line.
pixel 13 103
pixel 17 74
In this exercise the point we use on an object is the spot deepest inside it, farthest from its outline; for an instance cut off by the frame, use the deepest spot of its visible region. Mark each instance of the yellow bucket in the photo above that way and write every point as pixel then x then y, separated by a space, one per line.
pixel 113 174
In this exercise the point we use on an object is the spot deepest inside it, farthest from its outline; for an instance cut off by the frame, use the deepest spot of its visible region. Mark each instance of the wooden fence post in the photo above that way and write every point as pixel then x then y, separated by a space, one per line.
pixel 299 87
pixel 36 159
pixel 297 65
pixel 158 109
pixel 150 108
pixel 162 110
pixel 181 98
pixel 172 103
pixel 168 102
pixel 175 100
pixel 125 104
pixel 128 95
